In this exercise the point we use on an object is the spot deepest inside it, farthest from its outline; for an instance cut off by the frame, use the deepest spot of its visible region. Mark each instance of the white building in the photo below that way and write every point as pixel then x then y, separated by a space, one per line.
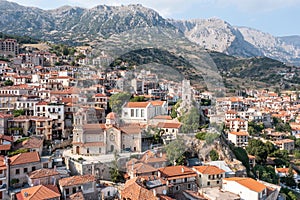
pixel 240 138
pixel 247 188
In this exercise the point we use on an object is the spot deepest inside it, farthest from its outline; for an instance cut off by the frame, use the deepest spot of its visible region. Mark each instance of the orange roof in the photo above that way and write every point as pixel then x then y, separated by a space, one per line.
pixel 284 170
pixel 210 170
pixel 134 190
pixel 169 125
pixel 76 180
pixel 24 158
pixel 42 173
pixel 176 171
pixel 249 183
pixel 39 192
pixel 240 133
pixel 5 147
pixel 157 103
pixel 137 104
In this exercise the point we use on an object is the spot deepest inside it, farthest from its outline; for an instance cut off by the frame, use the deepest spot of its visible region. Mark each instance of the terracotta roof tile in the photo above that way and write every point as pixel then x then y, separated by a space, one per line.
pixel 240 133
pixel 176 171
pixel 24 158
pixel 137 104
pixel 42 173
pixel 39 192
pixel 249 183
pixel 76 196
pixel 169 125
pixel 210 170
pixel 76 180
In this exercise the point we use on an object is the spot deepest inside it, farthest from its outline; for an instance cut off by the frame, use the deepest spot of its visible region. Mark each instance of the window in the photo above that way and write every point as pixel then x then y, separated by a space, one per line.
pixel 208 183
pixel 189 186
pixel 17 171
pixel 108 193
pixel 185 179
pixel 33 168
pixel 67 191
pixel 132 113
pixel 87 150
pixel 218 182
pixel 142 113
pixel 25 170
pixel 177 188
pixel 74 190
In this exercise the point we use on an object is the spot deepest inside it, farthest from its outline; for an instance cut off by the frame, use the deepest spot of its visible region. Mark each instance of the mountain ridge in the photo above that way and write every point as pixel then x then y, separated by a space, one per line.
pixel 75 25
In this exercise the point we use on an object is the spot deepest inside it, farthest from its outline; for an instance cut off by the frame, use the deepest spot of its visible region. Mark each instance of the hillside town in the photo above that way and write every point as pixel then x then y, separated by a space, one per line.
pixel 74 127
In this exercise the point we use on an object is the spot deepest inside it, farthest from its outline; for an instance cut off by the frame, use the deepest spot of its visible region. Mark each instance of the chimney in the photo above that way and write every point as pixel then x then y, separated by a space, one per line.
pixel 161 154
pixel 154 192
pixel 182 169
pixel 54 168
pixel 25 194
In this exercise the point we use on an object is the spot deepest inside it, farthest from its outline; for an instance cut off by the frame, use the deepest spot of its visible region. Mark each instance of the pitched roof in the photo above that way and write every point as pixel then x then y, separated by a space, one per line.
pixel 172 172
pixel 24 158
pixel 169 125
pixel 131 128
pixel 249 183
pixel 32 142
pixel 76 180
pixel 135 191
pixel 39 192
pixel 141 168
pixel 137 104
pixel 210 170
pixel 240 133
pixel 76 196
pixel 284 170
pixel 42 173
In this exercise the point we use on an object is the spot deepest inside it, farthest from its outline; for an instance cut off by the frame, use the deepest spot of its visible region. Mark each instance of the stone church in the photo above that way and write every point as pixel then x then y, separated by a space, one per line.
pixel 95 138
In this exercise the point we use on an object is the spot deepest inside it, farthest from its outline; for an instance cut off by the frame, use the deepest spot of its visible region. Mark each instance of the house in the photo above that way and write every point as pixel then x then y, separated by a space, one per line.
pixel 142 112
pixel 209 176
pixel 140 169
pixel 238 124
pixel 43 177
pixel 240 139
pixel 5 143
pixel 31 144
pixel 3 176
pixel 247 188
pixel 178 178
pixel 144 188
pixel 285 144
pixel 39 192
pixel 20 165
pixel 169 130
pixel 4 122
pixel 283 172
pixel 84 183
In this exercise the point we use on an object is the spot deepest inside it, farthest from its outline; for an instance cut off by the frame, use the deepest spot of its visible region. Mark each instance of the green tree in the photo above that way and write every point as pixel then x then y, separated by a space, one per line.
pixel 258 149
pixel 8 83
pixel 191 121
pixel 213 154
pixel 116 101
pixel 266 173
pixel 65 51
pixel 175 150
pixel 115 174
pixel 17 113
pixel 289 179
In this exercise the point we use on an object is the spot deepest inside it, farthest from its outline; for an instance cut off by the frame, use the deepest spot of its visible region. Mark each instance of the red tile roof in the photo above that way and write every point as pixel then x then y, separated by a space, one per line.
pixel 174 125
pixel 42 173
pixel 39 192
pixel 249 183
pixel 210 170
pixel 137 104
pixel 76 180
pixel 174 172
pixel 24 158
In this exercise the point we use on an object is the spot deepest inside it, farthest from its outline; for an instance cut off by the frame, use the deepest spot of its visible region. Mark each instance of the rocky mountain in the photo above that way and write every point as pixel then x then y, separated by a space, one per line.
pixel 73 24
pixel 218 35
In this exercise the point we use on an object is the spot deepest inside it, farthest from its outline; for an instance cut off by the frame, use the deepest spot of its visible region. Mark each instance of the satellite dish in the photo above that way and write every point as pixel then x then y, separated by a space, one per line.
pixel 164 192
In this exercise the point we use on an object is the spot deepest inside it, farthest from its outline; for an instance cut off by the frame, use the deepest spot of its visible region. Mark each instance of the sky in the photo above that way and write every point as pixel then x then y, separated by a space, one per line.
pixel 277 17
